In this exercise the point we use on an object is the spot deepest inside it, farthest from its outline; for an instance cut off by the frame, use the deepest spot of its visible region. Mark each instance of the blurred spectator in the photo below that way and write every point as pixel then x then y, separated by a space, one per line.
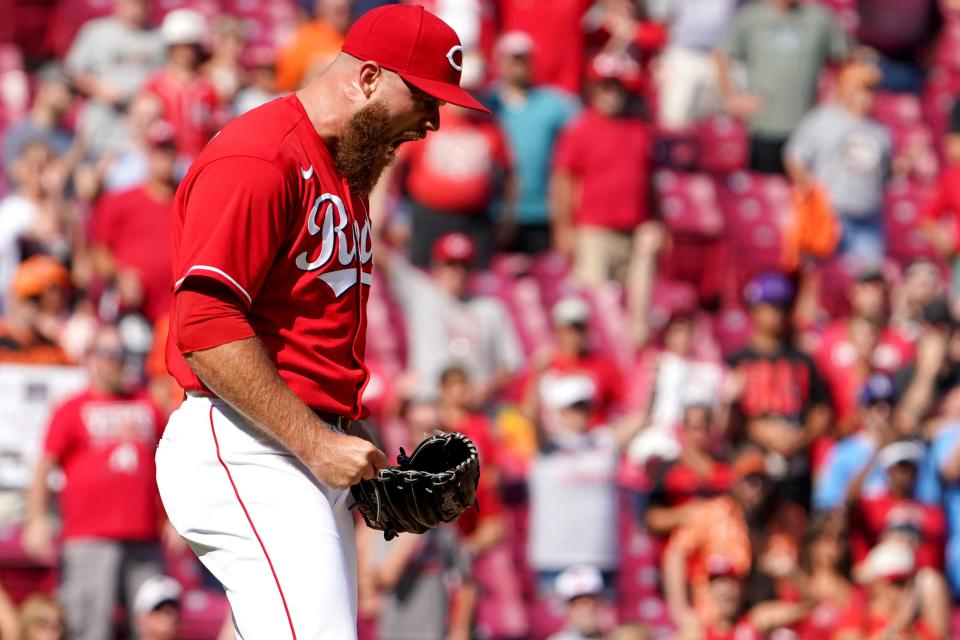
pixel 261 81
pixel 573 353
pixel 41 618
pixel 825 563
pixel 35 217
pixel 109 61
pixel 445 325
pixel 459 179
pixel 893 606
pixel 922 285
pixel 550 22
pixel 531 117
pixel 945 452
pixel 581 588
pixel 686 75
pixel 841 149
pixel 224 68
pixel 157 608
pixel 127 166
pixel 189 100
pixel 29 330
pixel 404 583
pixel 103 440
pixel 572 479
pixel 904 35
pixel 923 386
pixel 851 455
pixel 940 213
pixel 713 527
pixel 856 345
pixel 313 45
pixel 601 183
pixel 667 382
pixel 873 518
pixel 696 474
pixel 784 45
pixel 733 617
pixel 45 120
pixel 781 403
pixel 631 631
pixel 128 225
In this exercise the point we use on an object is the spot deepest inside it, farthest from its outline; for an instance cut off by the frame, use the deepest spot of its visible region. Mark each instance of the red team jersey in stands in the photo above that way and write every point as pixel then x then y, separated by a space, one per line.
pixel 263 212
pixel 106 446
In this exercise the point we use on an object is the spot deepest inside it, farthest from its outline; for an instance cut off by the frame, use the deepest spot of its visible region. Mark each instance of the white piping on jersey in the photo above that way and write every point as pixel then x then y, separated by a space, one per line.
pixel 342 279
pixel 203 267
pixel 306 173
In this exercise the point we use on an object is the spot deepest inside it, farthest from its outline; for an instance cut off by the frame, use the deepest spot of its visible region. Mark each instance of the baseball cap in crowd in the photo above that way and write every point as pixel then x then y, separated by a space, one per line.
pixel 578 581
pixel 183 26
pixel 570 311
pixel 514 43
pixel 621 68
pixel 769 288
pixel 889 560
pixel 160 133
pixel 454 247
pixel 902 451
pixel 36 274
pixel 719 566
pixel 416 45
pixel 562 392
pixel 155 592
pixel 878 388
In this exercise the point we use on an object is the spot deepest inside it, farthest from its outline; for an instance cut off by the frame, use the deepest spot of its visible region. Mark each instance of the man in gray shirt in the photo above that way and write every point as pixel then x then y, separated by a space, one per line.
pixel 109 61
pixel 841 148
pixel 783 45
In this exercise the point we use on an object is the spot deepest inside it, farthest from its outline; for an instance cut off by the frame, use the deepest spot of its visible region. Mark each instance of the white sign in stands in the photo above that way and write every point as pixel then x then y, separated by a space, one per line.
pixel 28 395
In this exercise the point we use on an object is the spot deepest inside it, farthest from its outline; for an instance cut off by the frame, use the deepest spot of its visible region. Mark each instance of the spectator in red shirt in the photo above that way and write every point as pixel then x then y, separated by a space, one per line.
pixel 104 441
pixel 454 179
pixel 825 565
pixel 894 607
pixel 573 354
pixel 896 511
pixel 130 226
pixel 679 485
pixel 190 101
pixel 944 202
pixel 601 182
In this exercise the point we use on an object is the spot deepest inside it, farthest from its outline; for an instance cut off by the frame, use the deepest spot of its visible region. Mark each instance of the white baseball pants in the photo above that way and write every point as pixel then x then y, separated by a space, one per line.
pixel 279 541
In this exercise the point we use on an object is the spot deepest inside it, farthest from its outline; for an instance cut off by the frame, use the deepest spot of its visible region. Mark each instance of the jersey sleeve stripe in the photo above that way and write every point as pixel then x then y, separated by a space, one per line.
pixel 223 275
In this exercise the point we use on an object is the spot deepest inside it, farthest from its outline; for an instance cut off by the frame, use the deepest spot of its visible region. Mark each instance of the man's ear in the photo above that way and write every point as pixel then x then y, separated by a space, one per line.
pixel 370 77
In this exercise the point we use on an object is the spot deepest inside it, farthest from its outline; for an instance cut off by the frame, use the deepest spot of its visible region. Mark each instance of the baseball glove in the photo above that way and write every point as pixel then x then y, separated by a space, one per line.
pixel 434 484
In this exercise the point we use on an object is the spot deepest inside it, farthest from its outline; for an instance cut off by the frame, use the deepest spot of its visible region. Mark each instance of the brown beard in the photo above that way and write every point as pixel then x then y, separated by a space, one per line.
pixel 363 148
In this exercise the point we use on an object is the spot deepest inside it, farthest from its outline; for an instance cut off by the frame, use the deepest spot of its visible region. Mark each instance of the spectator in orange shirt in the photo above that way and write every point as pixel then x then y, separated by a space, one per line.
pixel 313 45
pixel 27 334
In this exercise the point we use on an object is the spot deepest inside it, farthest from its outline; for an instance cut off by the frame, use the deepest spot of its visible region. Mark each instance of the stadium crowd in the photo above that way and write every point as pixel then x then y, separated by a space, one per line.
pixel 692 289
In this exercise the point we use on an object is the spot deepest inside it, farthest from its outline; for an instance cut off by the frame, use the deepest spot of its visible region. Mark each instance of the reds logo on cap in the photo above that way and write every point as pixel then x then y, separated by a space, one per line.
pixel 416 45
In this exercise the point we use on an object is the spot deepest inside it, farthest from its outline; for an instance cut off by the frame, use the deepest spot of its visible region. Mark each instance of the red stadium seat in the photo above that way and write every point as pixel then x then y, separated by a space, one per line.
pixel 905 239
pixel 723 144
pixel 688 203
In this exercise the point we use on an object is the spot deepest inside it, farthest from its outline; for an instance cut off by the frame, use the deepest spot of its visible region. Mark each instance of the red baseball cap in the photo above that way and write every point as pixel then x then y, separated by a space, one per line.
pixel 454 247
pixel 416 45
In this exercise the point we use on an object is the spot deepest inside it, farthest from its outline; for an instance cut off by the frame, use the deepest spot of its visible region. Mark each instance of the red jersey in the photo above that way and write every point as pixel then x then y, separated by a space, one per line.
pixel 611 159
pixel 873 625
pixel 193 108
pixel 105 446
pixel 132 224
pixel 605 373
pixel 456 168
pixel 743 630
pixel 263 212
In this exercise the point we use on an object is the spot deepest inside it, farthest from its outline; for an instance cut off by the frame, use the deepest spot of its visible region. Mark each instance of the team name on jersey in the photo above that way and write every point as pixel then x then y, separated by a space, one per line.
pixel 341 243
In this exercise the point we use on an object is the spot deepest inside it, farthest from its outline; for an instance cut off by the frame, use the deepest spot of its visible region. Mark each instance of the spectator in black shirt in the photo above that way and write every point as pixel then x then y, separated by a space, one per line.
pixel 782 404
